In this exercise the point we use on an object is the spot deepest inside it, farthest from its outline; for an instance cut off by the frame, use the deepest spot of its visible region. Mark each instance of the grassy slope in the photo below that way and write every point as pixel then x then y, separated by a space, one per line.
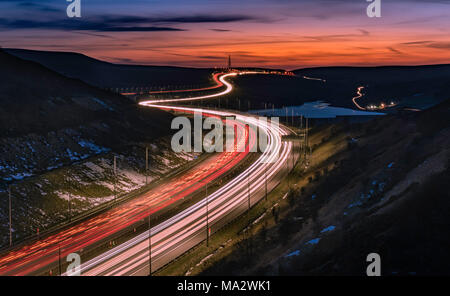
pixel 49 123
pixel 36 99
pixel 353 191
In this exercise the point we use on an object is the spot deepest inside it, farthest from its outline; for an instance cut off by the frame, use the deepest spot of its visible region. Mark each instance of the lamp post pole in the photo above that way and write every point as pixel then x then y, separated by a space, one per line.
pixel 207 216
pixel 146 165
pixel 115 178
pixel 10 217
pixel 248 191
pixel 70 208
pixel 265 177
pixel 149 243
pixel 59 259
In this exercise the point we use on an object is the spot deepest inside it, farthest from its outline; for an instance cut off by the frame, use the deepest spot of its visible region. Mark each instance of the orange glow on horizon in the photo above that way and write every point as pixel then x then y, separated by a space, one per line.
pixel 278 35
pixel 388 48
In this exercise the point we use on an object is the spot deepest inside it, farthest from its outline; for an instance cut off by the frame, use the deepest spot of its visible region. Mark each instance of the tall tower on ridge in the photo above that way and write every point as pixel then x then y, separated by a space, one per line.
pixel 229 62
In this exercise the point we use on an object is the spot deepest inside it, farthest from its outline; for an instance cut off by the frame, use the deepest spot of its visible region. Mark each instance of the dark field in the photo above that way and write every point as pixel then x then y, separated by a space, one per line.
pixel 414 87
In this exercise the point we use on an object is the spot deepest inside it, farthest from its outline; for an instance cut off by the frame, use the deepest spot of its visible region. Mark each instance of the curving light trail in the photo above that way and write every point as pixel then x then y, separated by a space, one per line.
pixel 215 78
pixel 228 89
pixel 41 253
pixel 359 95
pixel 181 232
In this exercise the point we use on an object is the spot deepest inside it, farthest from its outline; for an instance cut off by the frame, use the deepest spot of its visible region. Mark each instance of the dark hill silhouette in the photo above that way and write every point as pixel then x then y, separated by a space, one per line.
pixel 382 73
pixel 414 87
pixel 404 222
pixel 109 75
pixel 36 99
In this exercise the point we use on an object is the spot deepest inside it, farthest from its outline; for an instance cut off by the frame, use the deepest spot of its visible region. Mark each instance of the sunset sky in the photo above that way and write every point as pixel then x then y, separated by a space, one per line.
pixel 201 33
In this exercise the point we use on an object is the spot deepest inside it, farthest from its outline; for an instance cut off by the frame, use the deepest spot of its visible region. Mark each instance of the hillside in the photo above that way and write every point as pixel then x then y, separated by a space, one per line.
pixel 107 75
pixel 410 87
pixel 379 186
pixel 59 135
pixel 36 99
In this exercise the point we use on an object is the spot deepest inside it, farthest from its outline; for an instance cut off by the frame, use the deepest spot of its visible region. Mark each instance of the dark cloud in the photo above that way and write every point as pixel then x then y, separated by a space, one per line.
pixel 395 50
pixel 364 32
pixel 93 34
pixel 439 45
pixel 136 29
pixel 194 19
pixel 337 37
pixel 214 58
pixel 429 44
pixel 82 25
pixel 119 23
pixel 37 6
pixel 220 30
pixel 416 43
pixel 204 19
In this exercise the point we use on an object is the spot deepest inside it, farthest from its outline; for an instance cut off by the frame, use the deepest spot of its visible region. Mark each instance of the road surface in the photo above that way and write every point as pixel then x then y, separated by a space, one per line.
pixel 34 257
pixel 171 238
pixel 216 76
pixel 179 233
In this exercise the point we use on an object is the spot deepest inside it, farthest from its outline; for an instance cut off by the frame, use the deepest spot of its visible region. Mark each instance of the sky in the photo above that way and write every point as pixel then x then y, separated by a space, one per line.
pixel 286 34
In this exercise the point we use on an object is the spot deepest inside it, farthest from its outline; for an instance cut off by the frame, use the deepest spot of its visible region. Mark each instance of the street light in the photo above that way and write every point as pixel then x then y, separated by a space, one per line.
pixel 146 165
pixel 248 191
pixel 265 179
pixel 59 257
pixel 115 177
pixel 10 217
pixel 247 148
pixel 207 215
pixel 149 242
pixel 149 238
pixel 70 209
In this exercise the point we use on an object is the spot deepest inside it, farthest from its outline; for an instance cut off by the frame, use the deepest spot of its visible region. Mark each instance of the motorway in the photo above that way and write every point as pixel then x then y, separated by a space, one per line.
pixel 216 76
pixel 173 237
pixel 179 233
pixel 34 257
pixel 228 89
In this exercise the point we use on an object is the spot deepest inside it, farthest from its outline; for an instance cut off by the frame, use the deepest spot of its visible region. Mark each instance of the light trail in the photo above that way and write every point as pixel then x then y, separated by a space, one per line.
pixel 229 88
pixel 181 232
pixel 371 107
pixel 359 95
pixel 215 78
pixel 313 78
pixel 41 253
pixel 172 234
